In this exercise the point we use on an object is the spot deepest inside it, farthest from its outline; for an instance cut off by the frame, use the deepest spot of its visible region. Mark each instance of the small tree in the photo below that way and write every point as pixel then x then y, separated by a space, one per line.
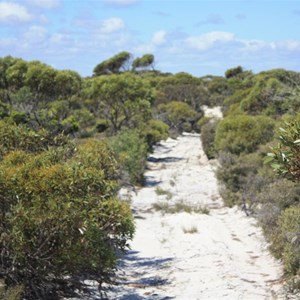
pixel 124 100
pixel 178 115
pixel 144 62
pixel 113 65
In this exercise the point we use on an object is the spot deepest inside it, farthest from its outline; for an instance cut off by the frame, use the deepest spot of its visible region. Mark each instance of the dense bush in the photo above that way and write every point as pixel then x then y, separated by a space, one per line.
pixel 155 131
pixel 208 131
pixel 243 133
pixel 285 155
pixel 131 148
pixel 19 137
pixel 59 216
pixel 287 242
pixel 179 116
pixel 275 198
pixel 240 177
pixel 284 159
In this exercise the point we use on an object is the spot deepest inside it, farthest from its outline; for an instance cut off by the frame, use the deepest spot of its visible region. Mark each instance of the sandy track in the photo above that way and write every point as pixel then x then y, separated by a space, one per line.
pixel 220 255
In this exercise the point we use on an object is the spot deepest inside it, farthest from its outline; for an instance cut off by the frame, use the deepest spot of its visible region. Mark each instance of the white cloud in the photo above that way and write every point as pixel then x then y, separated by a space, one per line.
pixel 12 12
pixel 255 45
pixel 45 3
pixel 120 2
pixel 35 35
pixel 159 38
pixel 290 45
pixel 258 45
pixel 208 40
pixel 112 25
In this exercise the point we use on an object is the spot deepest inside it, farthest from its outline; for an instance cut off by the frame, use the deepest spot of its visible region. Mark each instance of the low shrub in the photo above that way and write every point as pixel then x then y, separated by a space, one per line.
pixel 179 116
pixel 289 239
pixel 59 216
pixel 208 131
pixel 243 133
pixel 155 131
pixel 242 178
pixel 131 148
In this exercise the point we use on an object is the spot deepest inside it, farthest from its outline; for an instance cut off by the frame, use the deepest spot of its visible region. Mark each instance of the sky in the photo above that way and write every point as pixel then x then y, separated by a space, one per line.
pixel 200 37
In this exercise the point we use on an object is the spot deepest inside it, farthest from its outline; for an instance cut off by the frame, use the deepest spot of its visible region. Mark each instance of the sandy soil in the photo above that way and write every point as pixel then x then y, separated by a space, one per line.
pixel 219 255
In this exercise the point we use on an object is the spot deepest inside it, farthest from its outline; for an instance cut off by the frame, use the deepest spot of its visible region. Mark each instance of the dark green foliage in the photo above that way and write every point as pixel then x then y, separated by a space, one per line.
pixel 208 131
pixel 123 100
pixel 275 198
pixel 113 65
pixel 273 93
pixel 285 156
pixel 240 177
pixel 178 115
pixel 102 125
pixel 21 138
pixel 284 159
pixel 234 72
pixel 143 63
pixel 155 131
pixel 182 87
pixel 243 133
pixel 287 241
pixel 4 110
pixel 131 149
pixel 59 216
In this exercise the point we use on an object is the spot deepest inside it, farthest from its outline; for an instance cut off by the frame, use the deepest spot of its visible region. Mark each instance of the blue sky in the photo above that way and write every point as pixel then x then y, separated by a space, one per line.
pixel 200 37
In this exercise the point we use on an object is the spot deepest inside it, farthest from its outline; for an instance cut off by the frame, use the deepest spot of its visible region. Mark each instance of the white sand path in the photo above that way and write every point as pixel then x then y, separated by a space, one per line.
pixel 225 257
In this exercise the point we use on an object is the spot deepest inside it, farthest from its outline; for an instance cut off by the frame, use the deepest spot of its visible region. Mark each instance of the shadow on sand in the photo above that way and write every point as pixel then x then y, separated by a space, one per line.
pixel 167 159
pixel 141 278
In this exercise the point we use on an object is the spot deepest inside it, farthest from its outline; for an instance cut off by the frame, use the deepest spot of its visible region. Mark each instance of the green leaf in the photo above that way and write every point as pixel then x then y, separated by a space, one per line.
pixel 276 166
pixel 269 159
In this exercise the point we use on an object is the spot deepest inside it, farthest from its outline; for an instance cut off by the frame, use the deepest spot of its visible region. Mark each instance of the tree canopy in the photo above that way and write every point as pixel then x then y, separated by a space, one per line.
pixel 143 63
pixel 113 65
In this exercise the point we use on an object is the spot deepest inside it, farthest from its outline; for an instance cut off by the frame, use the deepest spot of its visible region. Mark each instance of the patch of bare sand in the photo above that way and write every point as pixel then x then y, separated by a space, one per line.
pixel 220 255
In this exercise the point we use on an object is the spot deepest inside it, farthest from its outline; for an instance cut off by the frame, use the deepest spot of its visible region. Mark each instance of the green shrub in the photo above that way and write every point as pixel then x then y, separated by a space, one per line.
pixel 156 130
pixel 241 178
pixel 102 125
pixel 284 157
pixel 275 198
pixel 243 133
pixel 14 137
pixel 4 108
pixel 131 149
pixel 19 117
pixel 289 239
pixel 59 216
pixel 178 115
pixel 208 131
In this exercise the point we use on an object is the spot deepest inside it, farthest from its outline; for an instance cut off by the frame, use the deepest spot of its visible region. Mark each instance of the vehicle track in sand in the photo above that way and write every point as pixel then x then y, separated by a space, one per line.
pixel 189 256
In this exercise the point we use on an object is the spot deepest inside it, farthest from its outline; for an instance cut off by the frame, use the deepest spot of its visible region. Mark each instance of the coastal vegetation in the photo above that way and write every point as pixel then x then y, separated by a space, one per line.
pixel 68 144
